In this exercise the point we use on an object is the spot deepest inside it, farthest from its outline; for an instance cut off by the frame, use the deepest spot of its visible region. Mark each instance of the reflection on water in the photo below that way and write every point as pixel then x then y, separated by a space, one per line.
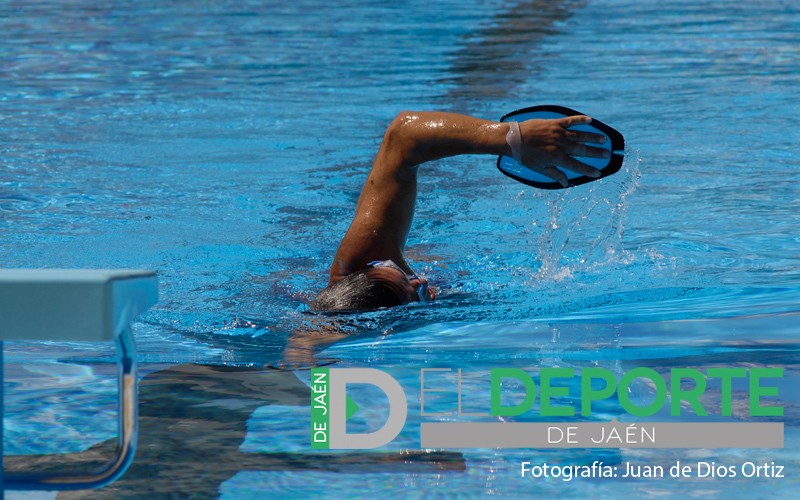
pixel 202 426
pixel 192 423
pixel 502 54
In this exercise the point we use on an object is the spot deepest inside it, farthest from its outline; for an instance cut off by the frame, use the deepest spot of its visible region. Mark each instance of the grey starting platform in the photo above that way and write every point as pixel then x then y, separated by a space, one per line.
pixel 79 305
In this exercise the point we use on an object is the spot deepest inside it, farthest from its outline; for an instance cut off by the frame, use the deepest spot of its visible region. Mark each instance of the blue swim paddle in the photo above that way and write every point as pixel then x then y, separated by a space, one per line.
pixel 614 143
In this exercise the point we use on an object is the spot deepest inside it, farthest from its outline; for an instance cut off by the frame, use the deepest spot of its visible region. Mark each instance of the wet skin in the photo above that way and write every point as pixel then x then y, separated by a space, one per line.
pixel 385 208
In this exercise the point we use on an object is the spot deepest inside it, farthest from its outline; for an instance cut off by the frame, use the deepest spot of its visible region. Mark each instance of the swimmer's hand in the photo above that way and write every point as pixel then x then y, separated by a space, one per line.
pixel 549 143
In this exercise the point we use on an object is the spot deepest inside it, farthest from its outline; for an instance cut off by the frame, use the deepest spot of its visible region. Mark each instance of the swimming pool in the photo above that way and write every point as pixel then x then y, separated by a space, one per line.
pixel 224 144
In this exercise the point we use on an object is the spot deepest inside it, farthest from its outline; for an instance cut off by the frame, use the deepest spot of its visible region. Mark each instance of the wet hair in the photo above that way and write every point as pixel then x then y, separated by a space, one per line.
pixel 359 291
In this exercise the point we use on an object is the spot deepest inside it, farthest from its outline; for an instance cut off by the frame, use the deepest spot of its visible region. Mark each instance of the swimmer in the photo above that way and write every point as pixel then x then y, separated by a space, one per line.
pixel 369 270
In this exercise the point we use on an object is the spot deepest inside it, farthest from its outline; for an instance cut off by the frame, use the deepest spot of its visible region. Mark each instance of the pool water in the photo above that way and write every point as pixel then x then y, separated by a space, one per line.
pixel 224 145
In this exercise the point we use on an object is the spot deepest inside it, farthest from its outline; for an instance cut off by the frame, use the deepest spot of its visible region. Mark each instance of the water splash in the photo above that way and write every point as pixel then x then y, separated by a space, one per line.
pixel 584 229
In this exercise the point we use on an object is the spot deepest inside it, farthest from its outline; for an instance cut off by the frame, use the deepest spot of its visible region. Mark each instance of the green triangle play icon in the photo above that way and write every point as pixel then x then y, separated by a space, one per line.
pixel 352 407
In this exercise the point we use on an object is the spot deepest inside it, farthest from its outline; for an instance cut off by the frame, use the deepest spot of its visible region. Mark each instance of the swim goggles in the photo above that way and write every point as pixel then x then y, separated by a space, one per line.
pixel 422 289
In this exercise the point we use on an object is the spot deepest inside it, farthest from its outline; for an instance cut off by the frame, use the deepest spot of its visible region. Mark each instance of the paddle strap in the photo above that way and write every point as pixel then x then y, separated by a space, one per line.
pixel 514 140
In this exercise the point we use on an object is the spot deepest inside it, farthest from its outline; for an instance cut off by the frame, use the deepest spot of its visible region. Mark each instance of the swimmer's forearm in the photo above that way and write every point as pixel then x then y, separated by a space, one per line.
pixel 420 137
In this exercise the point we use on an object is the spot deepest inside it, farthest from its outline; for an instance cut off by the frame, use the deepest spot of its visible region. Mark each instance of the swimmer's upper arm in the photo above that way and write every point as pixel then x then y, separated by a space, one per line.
pixel 386 206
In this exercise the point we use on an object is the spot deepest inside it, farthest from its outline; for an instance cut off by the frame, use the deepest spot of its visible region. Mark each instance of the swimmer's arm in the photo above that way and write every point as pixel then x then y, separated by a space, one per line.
pixel 304 344
pixel 386 206
pixel 426 136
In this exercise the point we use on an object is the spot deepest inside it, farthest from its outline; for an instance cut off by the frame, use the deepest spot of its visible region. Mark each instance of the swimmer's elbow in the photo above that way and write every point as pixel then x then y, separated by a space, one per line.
pixel 405 118
pixel 402 137
pixel 403 127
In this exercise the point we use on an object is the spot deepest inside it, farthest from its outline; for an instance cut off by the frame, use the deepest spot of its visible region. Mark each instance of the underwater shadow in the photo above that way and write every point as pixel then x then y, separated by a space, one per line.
pixel 192 423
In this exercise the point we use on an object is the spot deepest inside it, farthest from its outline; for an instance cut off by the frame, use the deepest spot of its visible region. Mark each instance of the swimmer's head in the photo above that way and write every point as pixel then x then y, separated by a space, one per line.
pixel 371 288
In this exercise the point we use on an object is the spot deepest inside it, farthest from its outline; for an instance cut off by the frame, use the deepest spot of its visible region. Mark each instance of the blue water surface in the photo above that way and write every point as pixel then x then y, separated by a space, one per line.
pixel 224 144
